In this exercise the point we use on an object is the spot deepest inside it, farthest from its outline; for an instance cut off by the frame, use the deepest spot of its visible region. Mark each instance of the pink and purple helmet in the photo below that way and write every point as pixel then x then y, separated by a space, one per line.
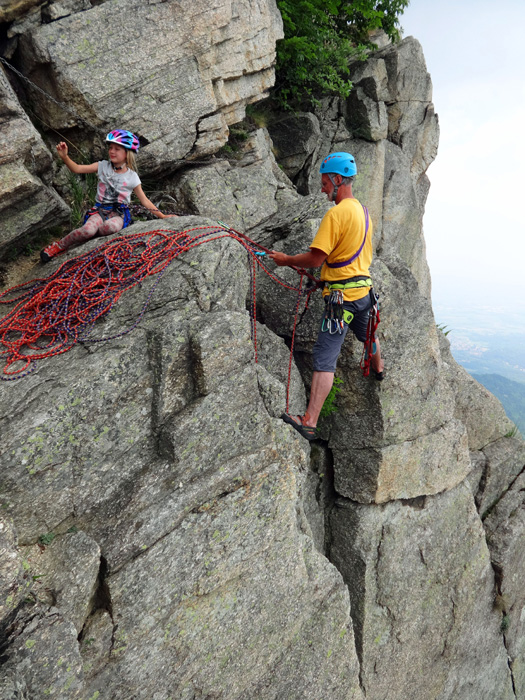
pixel 124 138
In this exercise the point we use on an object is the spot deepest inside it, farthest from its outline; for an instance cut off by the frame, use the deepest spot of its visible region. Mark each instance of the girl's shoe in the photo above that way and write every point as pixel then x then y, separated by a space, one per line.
pixel 52 250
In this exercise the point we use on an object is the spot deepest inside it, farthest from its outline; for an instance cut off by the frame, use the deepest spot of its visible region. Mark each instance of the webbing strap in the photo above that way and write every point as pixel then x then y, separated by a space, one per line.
pixel 349 284
pixel 355 255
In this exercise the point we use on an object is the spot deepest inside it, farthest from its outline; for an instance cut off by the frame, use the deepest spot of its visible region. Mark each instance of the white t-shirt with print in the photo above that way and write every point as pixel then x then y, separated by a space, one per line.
pixel 115 187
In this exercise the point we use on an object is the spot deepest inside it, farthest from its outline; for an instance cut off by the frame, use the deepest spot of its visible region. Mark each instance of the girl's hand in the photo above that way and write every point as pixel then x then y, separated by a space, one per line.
pixel 62 149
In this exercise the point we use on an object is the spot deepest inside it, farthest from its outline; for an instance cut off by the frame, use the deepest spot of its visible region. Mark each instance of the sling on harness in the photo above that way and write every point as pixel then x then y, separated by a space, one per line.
pixel 369 347
pixel 104 210
pixel 355 255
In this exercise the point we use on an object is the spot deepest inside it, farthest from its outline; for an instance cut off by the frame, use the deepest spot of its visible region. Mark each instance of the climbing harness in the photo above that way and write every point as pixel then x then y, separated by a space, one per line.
pixel 104 211
pixel 369 348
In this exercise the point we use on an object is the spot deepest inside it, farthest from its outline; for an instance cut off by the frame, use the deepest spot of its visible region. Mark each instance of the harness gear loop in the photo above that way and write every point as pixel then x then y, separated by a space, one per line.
pixel 333 313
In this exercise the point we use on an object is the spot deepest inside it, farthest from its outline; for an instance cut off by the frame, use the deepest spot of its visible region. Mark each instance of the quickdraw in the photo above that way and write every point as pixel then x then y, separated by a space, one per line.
pixel 333 313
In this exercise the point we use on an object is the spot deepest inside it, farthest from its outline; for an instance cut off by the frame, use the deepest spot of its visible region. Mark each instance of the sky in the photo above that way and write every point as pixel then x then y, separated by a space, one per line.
pixel 473 224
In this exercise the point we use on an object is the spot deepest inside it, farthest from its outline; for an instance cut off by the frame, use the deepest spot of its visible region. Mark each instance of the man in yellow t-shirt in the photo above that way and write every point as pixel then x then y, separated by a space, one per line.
pixel 343 246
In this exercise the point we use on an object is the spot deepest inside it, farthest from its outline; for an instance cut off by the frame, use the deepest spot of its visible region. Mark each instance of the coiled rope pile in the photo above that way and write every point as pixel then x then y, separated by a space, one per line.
pixel 53 314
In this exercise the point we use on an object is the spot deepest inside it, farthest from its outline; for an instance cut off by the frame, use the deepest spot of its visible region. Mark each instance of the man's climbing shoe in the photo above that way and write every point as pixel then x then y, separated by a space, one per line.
pixel 52 250
pixel 379 375
pixel 305 430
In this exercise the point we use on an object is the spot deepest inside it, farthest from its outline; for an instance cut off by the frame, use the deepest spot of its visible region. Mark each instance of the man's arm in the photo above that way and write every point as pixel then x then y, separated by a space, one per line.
pixel 314 258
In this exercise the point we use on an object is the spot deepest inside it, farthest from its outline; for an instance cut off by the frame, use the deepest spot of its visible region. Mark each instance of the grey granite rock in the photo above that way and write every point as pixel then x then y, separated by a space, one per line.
pixel 159 446
pixel 505 528
pixel 28 201
pixel 178 89
pixel 43 660
pixel 235 575
pixel 66 574
pixel 295 137
pixel 166 535
pixel 504 461
pixel 242 194
pixel 421 588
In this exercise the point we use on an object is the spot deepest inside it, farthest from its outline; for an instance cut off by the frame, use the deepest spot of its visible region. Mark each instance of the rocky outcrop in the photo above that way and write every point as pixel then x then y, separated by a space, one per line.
pixel 389 125
pixel 164 534
pixel 107 65
pixel 179 88
pixel 165 455
pixel 28 200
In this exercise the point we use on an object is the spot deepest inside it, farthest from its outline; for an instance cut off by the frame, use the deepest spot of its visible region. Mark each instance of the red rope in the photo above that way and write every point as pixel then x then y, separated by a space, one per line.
pixel 50 315
pixel 254 307
pixel 292 345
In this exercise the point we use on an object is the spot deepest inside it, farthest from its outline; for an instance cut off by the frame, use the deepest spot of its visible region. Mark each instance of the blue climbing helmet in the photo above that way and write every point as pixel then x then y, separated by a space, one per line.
pixel 339 164
pixel 124 138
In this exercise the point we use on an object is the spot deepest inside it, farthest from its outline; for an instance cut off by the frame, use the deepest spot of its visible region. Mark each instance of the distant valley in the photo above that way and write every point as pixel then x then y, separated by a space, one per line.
pixel 488 339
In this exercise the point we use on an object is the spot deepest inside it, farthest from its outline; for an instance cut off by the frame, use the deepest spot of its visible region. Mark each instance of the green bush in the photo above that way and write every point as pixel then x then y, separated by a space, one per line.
pixel 329 406
pixel 320 38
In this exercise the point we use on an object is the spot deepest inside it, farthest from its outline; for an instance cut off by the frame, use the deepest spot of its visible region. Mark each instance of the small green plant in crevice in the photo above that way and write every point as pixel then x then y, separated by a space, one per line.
pixel 47 538
pixel 512 432
pixel 505 623
pixel 260 114
pixel 443 328
pixel 329 406
pixel 83 193
pixel 238 134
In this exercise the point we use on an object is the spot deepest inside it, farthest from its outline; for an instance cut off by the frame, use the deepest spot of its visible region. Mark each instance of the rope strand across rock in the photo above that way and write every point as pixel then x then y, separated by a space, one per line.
pixel 52 314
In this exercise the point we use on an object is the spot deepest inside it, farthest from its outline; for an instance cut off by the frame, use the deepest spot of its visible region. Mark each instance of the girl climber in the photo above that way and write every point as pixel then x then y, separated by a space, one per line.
pixel 117 179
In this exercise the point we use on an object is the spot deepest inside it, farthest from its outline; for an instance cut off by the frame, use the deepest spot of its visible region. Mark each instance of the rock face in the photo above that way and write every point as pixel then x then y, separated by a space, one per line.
pixel 389 125
pixel 164 534
pixel 27 199
pixel 167 457
pixel 180 88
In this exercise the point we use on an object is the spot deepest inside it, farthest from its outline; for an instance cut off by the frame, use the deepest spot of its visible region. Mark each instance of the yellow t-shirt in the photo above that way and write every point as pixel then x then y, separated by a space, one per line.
pixel 340 235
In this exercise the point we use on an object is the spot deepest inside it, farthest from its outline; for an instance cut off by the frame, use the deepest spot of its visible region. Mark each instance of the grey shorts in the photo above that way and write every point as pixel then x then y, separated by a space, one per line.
pixel 328 345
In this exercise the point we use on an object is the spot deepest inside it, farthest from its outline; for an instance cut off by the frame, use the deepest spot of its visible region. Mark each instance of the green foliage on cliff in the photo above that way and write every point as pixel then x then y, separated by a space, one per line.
pixel 329 406
pixel 320 38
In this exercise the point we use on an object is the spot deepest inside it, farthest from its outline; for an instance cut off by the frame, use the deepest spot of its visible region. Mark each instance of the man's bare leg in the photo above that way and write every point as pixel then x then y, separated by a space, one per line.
pixel 376 361
pixel 321 385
